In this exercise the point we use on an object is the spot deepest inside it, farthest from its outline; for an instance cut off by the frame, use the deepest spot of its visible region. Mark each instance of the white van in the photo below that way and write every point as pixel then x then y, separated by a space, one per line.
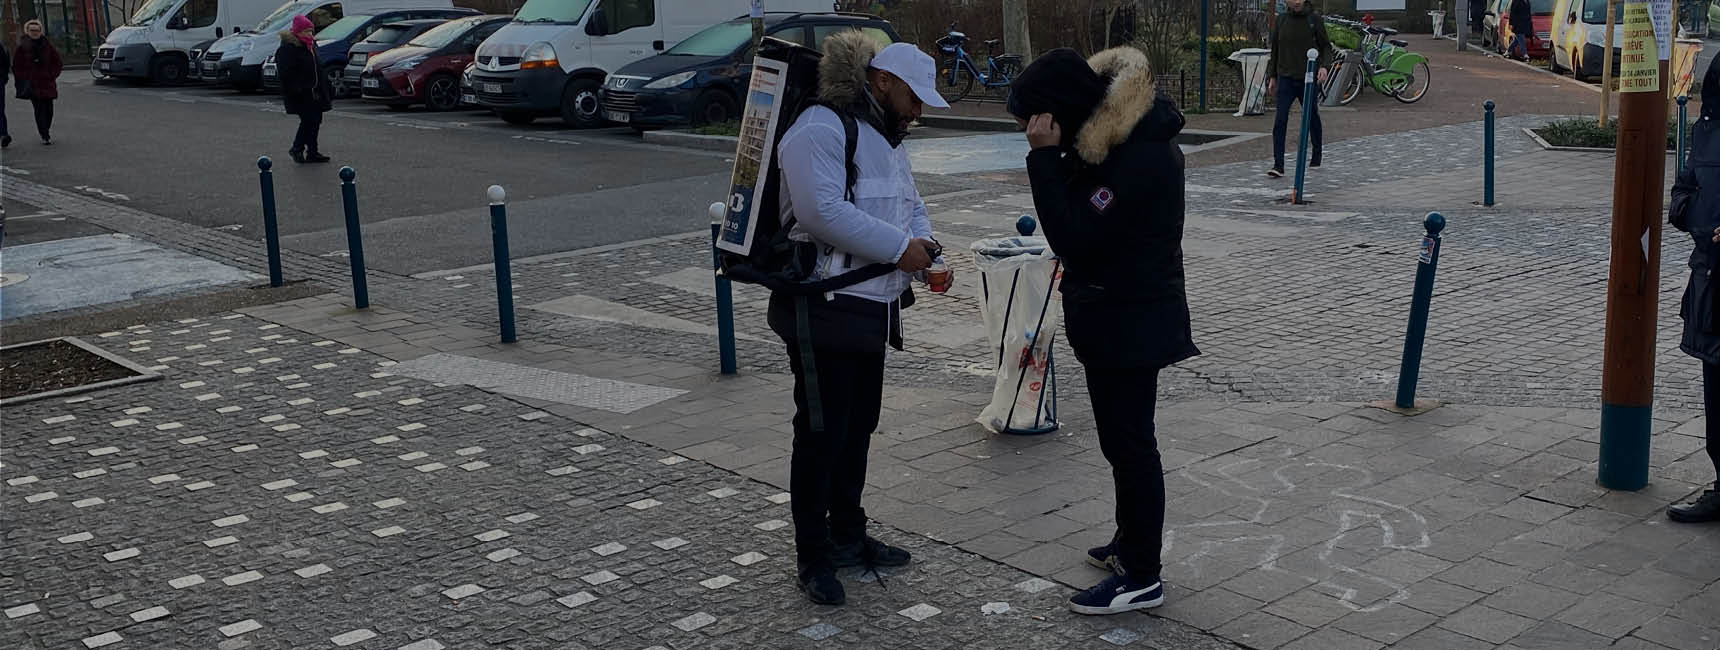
pixel 1580 37
pixel 553 58
pixel 237 60
pixel 156 41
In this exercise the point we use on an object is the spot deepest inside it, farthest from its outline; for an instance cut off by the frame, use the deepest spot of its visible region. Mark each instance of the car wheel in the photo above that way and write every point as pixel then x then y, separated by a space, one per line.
pixel 442 93
pixel 167 71
pixel 521 119
pixel 336 79
pixel 713 107
pixel 579 105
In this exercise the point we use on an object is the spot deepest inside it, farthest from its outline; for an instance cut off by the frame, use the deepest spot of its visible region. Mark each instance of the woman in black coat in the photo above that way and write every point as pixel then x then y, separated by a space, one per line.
pixel 304 89
pixel 36 67
pixel 1108 185
pixel 1696 210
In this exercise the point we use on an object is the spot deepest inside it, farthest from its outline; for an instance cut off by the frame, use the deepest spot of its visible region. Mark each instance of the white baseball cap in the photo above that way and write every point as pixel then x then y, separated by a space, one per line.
pixel 914 68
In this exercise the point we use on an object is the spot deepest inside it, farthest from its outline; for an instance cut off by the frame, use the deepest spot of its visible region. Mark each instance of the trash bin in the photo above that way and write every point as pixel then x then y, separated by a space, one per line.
pixel 1252 61
pixel 1438 18
pixel 1017 277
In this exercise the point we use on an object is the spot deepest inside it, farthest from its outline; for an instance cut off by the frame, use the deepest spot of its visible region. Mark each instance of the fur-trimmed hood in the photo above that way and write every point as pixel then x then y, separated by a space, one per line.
pixel 1131 98
pixel 287 37
pixel 842 71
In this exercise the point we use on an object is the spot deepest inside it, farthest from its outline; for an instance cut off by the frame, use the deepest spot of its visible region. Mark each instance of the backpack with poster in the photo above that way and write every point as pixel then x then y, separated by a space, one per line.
pixel 753 244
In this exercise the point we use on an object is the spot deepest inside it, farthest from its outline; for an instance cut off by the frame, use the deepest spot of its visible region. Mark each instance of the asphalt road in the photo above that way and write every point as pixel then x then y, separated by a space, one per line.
pixel 190 153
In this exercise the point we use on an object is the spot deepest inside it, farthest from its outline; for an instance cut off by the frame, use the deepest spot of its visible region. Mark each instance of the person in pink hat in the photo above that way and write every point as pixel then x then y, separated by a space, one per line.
pixel 305 91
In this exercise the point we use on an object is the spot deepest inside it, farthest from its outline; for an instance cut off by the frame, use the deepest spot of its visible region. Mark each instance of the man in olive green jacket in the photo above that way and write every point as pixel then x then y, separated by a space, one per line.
pixel 1297 30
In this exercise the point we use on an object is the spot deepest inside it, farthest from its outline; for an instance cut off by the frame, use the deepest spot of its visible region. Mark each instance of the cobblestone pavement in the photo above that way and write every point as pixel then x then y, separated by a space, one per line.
pixel 281 490
pixel 1300 518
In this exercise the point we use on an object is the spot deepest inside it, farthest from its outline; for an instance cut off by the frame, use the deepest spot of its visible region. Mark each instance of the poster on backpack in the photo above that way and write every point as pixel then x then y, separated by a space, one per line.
pixel 752 155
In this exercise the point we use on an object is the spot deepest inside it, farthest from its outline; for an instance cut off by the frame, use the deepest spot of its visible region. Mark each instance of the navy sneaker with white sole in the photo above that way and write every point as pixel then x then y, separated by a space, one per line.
pixel 1118 594
pixel 1104 557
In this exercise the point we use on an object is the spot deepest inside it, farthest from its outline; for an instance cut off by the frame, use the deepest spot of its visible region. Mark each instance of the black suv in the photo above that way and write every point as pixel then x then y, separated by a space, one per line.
pixel 701 80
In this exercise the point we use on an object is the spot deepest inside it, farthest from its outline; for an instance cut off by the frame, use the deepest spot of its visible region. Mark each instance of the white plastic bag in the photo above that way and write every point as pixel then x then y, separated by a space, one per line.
pixel 1018 279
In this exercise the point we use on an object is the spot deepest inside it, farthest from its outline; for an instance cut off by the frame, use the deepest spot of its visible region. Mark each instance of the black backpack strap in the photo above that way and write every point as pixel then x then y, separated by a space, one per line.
pixel 850 142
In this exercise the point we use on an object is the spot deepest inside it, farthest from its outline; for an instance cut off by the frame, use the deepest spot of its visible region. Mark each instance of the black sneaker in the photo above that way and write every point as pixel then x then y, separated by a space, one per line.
pixel 1104 557
pixel 1703 510
pixel 1314 164
pixel 819 583
pixel 1118 594
pixel 870 552
pixel 5 141
pixel 314 157
pixel 298 155
pixel 1275 172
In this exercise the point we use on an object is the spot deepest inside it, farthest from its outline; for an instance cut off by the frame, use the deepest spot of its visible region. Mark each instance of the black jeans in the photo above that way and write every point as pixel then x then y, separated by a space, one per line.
pixel 44 115
pixel 1711 414
pixel 310 123
pixel 1290 89
pixel 828 471
pixel 1123 404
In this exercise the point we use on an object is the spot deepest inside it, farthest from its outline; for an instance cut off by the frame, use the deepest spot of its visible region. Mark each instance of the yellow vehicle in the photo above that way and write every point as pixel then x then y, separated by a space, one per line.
pixel 1579 37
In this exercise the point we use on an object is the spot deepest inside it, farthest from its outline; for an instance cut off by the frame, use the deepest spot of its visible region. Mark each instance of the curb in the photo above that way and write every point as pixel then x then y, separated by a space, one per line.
pixel 1543 143
pixel 967 123
pixel 724 143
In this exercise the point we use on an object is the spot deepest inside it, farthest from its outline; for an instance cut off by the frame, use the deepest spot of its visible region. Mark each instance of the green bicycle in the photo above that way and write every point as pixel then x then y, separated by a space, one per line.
pixel 1381 62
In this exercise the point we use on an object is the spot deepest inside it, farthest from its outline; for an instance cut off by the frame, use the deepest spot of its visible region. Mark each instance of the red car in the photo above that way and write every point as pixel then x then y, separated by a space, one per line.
pixel 426 70
pixel 1498 33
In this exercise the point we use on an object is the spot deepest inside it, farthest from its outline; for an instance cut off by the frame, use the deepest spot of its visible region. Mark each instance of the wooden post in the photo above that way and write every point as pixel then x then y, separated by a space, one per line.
pixel 1633 286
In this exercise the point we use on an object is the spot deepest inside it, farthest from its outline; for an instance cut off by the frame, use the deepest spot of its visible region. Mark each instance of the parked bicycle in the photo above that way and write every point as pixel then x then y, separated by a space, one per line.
pixel 958 72
pixel 1382 62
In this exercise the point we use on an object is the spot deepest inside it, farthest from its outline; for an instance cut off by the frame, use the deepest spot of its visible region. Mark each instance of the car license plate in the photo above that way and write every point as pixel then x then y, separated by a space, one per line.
pixel 468 98
pixel 372 83
pixel 106 67
pixel 616 116
pixel 494 89
pixel 209 68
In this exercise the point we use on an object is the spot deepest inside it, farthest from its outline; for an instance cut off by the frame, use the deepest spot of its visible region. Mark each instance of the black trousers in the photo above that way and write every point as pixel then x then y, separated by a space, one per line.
pixel 1290 89
pixel 3 130
pixel 1123 405
pixel 44 115
pixel 310 123
pixel 1711 413
pixel 828 471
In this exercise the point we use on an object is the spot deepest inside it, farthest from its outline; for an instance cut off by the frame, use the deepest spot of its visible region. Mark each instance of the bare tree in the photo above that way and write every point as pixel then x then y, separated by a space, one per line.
pixel 1015 28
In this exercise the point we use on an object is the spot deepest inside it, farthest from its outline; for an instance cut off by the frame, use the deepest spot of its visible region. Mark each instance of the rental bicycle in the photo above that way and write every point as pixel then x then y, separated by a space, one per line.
pixel 957 72
pixel 1382 62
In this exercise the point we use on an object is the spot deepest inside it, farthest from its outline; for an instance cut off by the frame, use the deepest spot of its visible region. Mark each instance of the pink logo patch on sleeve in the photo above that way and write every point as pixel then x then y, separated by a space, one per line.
pixel 1102 199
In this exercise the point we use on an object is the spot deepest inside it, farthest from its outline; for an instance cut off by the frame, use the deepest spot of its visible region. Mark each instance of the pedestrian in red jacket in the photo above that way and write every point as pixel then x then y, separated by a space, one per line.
pixel 36 65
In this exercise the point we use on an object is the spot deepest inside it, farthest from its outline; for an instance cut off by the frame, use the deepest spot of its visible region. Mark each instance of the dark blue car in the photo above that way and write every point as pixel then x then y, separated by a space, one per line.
pixel 700 80
pixel 335 40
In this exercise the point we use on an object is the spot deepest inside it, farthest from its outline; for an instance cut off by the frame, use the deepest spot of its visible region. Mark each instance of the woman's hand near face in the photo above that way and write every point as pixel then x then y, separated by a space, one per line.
pixel 1042 131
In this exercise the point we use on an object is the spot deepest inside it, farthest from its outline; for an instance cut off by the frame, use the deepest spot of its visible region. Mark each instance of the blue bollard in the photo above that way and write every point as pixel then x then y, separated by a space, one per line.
pixel 1026 225
pixel 1410 372
pixel 1682 129
pixel 504 268
pixel 271 233
pixel 1307 122
pixel 1487 196
pixel 354 239
pixel 725 295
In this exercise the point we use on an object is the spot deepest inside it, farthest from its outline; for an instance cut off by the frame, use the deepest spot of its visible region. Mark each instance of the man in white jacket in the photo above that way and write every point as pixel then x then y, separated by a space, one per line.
pixel 836 340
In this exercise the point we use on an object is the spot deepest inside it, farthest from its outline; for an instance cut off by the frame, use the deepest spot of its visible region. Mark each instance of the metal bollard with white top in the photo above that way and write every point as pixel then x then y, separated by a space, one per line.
pixel 1307 123
pixel 725 296
pixel 504 268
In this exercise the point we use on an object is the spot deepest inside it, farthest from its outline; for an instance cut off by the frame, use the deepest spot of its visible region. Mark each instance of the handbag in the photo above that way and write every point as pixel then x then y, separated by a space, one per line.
pixel 24 89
